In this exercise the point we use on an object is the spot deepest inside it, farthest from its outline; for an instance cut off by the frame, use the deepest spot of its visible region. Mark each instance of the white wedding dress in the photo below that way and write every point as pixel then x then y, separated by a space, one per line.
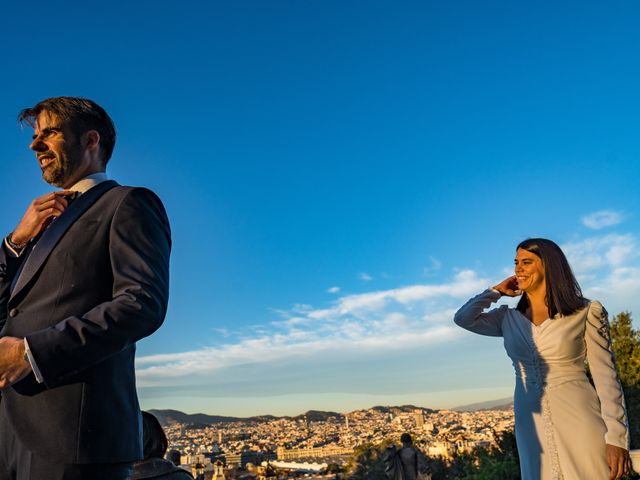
pixel 562 424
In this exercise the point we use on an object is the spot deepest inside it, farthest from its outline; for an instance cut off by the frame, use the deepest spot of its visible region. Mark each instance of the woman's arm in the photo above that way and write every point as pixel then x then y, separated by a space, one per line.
pixel 602 364
pixel 603 370
pixel 472 318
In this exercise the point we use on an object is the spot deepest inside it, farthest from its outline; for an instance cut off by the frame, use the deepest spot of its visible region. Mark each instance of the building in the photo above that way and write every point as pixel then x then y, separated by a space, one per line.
pixel 244 457
pixel 218 471
pixel 419 416
pixel 284 454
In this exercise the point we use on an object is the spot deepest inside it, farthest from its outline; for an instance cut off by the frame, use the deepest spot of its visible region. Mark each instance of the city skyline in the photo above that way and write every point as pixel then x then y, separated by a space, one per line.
pixel 332 439
pixel 340 177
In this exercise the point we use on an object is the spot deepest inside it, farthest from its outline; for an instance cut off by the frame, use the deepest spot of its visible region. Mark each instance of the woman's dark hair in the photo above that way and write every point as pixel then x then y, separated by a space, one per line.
pixel 154 440
pixel 564 295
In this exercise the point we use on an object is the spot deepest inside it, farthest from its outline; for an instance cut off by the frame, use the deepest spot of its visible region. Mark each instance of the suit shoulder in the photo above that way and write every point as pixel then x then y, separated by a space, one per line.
pixel 134 202
pixel 136 195
pixel 124 190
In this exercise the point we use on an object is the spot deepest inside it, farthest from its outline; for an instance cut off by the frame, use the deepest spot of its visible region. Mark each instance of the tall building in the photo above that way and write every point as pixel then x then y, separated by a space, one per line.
pixel 218 471
pixel 419 416
pixel 267 472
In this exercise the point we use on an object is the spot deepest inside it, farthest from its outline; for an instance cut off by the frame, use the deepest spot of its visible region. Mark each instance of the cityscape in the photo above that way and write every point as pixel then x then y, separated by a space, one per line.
pixel 339 179
pixel 318 445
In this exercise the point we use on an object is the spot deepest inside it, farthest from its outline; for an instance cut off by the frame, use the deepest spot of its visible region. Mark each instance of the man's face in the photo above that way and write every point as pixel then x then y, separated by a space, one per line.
pixel 58 150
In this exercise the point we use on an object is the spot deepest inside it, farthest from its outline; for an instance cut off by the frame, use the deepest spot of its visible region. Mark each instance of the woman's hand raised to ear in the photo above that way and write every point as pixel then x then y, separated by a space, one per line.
pixel 508 287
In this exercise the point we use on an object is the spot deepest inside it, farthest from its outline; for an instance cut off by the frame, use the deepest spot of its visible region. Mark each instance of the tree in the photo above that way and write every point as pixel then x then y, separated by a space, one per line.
pixel 335 468
pixel 367 463
pixel 626 346
pixel 499 462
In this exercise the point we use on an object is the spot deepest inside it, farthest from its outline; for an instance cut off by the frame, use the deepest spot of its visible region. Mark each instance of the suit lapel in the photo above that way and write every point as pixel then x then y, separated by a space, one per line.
pixel 55 231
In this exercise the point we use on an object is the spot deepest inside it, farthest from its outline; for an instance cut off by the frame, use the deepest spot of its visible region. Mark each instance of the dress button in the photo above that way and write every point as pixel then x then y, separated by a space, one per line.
pixel 13 312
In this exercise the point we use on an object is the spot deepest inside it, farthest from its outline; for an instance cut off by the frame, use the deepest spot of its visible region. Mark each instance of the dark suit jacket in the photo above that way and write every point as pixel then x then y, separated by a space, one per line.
pixel 95 283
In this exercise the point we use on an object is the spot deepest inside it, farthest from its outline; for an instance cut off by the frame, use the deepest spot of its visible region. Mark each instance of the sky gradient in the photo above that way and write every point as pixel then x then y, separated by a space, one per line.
pixel 341 176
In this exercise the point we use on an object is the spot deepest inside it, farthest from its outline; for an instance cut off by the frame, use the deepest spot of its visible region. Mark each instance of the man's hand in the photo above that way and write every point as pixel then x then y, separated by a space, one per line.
pixel 13 366
pixel 508 287
pixel 619 461
pixel 39 214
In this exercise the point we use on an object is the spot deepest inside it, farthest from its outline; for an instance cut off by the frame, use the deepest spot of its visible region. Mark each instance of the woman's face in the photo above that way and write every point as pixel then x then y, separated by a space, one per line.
pixel 529 271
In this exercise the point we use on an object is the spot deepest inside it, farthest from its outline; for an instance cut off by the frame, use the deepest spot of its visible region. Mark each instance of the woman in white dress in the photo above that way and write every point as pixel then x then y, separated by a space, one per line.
pixel 565 430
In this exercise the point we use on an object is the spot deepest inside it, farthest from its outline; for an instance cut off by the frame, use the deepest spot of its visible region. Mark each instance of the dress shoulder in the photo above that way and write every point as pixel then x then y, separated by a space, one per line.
pixel 598 318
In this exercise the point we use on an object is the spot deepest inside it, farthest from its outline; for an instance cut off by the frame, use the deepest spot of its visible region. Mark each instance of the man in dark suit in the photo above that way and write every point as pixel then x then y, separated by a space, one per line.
pixel 83 276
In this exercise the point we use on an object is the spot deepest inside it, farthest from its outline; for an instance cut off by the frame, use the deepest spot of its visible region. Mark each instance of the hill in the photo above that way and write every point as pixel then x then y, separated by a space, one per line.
pixel 500 404
pixel 167 417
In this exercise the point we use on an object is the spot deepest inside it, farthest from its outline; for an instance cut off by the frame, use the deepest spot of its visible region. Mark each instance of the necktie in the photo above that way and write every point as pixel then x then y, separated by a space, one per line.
pixel 32 243
pixel 71 198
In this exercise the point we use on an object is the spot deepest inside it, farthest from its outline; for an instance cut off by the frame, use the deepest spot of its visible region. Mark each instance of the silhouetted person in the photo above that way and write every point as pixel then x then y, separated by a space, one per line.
pixel 405 462
pixel 408 457
pixel 155 446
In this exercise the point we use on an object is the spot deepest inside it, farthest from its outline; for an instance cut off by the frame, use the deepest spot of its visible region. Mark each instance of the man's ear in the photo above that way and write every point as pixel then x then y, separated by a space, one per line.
pixel 91 139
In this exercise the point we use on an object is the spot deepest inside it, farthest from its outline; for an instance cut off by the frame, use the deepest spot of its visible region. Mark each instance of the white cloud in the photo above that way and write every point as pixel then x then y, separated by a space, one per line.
pixel 365 277
pixel 601 219
pixel 465 283
pixel 434 265
pixel 379 322
pixel 608 269
pixel 222 331
pixel 296 348
pixel 333 290
pixel 599 252
pixel 357 339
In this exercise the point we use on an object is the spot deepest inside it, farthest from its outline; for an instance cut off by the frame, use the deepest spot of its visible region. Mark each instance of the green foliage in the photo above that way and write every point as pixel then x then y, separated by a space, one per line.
pixel 626 346
pixel 334 468
pixel 367 463
pixel 440 469
pixel 499 462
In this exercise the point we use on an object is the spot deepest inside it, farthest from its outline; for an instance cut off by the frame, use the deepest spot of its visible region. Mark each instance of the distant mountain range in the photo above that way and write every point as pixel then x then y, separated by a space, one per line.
pixel 500 404
pixel 400 409
pixel 170 416
pixel 167 417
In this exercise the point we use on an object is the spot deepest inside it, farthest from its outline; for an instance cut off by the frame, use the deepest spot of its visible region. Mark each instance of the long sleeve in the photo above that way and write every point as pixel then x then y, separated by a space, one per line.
pixel 9 265
pixel 139 246
pixel 471 316
pixel 603 370
pixel 10 261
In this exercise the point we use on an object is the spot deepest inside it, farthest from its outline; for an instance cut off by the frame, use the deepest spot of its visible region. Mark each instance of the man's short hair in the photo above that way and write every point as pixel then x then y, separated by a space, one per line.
pixel 406 438
pixel 153 437
pixel 174 457
pixel 80 115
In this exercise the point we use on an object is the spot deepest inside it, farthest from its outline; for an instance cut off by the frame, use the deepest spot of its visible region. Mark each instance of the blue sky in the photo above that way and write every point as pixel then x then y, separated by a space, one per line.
pixel 342 175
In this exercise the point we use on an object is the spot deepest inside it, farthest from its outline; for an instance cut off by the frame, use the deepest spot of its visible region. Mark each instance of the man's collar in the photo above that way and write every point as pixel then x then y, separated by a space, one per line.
pixel 89 181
